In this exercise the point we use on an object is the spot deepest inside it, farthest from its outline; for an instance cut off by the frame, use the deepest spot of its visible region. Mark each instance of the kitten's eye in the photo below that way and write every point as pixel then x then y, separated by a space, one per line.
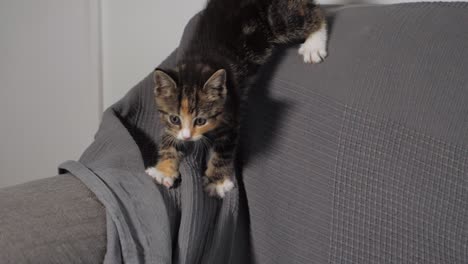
pixel 174 119
pixel 200 121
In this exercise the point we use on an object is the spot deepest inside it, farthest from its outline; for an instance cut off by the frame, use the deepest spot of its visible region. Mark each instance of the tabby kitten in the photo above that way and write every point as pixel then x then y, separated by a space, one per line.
pixel 200 98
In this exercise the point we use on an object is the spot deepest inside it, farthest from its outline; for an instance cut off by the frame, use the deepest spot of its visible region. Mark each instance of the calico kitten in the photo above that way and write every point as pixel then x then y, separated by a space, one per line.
pixel 200 98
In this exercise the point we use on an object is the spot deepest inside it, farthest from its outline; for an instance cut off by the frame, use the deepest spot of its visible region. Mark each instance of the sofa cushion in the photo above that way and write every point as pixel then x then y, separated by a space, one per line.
pixel 53 220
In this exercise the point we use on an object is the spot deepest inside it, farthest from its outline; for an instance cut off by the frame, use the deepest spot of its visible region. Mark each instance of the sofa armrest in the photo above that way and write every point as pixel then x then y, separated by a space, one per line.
pixel 53 220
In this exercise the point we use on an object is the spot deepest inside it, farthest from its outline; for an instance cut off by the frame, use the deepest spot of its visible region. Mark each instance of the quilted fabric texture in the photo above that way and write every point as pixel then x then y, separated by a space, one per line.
pixel 363 158
pixel 399 196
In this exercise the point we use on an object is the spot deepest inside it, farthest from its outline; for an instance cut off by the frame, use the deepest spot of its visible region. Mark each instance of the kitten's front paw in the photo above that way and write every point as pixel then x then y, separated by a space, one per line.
pixel 313 51
pixel 218 188
pixel 160 177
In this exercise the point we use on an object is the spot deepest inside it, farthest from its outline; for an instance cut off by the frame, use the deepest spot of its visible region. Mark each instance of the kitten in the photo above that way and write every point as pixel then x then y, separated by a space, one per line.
pixel 200 98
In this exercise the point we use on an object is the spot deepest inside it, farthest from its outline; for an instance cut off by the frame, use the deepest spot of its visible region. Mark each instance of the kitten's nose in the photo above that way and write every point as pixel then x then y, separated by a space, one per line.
pixel 186 134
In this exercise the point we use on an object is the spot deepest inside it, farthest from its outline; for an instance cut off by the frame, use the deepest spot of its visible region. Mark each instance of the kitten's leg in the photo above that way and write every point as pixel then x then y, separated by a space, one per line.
pixel 166 170
pixel 220 170
pixel 314 49
pixel 296 20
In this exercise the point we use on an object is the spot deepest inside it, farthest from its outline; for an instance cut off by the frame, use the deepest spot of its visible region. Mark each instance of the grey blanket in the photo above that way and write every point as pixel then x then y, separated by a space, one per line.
pixel 361 159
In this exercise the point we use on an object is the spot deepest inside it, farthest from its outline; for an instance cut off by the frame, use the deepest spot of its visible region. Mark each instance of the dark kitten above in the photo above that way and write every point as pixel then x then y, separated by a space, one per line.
pixel 200 98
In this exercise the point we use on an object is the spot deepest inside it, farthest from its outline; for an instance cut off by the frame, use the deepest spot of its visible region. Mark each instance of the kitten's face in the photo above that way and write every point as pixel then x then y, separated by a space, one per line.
pixel 193 107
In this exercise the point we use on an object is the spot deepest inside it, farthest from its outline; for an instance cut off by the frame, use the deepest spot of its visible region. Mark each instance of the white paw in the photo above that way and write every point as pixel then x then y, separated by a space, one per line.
pixel 160 177
pixel 219 189
pixel 313 51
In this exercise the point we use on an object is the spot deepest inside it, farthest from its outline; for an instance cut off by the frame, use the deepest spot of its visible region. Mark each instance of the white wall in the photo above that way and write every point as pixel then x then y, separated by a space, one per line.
pixel 49 85
pixel 137 36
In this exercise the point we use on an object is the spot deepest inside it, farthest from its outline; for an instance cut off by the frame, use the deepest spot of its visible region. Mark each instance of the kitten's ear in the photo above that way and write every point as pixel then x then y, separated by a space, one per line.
pixel 165 86
pixel 215 87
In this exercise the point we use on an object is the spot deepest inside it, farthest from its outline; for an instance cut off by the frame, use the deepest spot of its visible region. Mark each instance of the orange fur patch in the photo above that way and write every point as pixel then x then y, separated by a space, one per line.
pixel 203 129
pixel 169 167
pixel 184 108
pixel 187 120
pixel 210 167
pixel 186 115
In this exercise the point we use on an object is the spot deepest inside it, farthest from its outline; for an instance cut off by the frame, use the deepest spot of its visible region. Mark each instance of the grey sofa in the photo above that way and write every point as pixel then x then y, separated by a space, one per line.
pixel 362 159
